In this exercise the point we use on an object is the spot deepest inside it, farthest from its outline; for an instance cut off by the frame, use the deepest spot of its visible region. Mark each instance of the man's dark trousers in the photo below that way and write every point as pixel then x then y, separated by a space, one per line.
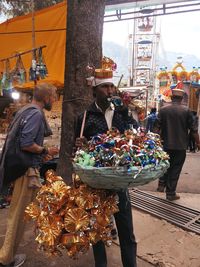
pixel 124 224
pixel 170 178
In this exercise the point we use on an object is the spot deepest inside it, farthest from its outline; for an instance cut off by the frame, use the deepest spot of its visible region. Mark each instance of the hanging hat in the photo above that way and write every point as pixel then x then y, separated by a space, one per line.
pixel 101 76
pixel 178 90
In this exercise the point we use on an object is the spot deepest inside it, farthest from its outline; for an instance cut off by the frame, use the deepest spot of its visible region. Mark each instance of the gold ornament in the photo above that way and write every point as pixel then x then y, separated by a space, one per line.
pixel 102 219
pixel 50 229
pixel 71 218
pixel 76 219
pixel 32 211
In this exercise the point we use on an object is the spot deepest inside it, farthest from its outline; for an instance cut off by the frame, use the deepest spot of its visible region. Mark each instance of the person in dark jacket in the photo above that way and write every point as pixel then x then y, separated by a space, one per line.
pixel 100 117
pixel 151 118
pixel 192 142
pixel 174 122
pixel 22 154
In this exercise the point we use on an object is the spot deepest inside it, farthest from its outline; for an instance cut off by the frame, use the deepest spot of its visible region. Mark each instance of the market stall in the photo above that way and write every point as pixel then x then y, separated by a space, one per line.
pixel 50 31
pixel 190 83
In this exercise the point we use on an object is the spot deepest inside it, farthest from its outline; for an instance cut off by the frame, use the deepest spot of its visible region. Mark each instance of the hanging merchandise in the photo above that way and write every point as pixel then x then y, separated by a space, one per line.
pixel 38 69
pixel 42 68
pixel 19 73
pixel 7 80
pixel 32 70
pixel 70 219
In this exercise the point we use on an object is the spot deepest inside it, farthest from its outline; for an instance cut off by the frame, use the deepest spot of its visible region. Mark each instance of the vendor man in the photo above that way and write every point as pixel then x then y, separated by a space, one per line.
pixel 101 116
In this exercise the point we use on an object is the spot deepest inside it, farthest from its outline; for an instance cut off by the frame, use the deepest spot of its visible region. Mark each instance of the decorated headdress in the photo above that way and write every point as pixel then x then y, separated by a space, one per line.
pixel 103 75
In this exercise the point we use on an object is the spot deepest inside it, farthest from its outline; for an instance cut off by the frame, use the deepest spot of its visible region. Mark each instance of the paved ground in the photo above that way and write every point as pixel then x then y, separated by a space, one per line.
pixel 159 242
pixel 164 244
pixel 189 181
pixel 39 259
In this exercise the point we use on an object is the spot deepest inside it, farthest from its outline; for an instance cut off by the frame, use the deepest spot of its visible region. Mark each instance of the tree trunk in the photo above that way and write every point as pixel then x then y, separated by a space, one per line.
pixel 84 45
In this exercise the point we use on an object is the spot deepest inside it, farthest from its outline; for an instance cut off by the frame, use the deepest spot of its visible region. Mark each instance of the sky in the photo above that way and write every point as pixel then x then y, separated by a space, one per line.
pixel 179 32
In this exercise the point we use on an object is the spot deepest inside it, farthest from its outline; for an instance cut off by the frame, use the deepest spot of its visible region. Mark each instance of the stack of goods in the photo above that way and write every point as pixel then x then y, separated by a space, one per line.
pixel 133 152
pixel 71 219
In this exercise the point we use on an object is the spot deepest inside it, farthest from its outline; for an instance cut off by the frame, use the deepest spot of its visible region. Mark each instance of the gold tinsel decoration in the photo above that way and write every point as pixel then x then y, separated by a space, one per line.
pixel 71 218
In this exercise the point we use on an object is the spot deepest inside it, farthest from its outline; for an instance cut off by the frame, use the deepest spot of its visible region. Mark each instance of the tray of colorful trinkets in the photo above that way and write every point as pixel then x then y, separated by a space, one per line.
pixel 117 161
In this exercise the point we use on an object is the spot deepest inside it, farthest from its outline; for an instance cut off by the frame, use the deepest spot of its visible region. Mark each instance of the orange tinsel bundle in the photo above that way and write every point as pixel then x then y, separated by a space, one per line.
pixel 71 218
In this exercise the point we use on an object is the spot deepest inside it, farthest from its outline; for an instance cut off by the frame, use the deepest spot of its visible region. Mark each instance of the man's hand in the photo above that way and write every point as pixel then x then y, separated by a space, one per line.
pixel 52 151
pixel 47 158
pixel 36 149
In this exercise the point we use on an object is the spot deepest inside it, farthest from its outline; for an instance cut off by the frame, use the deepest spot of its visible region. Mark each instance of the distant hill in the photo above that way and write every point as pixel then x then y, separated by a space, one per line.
pixel 120 55
pixel 169 60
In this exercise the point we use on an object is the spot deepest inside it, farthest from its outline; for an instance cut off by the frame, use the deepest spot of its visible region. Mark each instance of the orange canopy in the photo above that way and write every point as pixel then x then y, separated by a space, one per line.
pixel 50 30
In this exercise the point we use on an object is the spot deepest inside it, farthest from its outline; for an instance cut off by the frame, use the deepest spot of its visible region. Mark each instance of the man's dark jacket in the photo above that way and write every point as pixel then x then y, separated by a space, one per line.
pixel 96 122
pixel 174 121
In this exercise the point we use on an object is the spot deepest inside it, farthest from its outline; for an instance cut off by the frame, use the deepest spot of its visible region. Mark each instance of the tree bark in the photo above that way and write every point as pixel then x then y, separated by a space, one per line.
pixel 83 46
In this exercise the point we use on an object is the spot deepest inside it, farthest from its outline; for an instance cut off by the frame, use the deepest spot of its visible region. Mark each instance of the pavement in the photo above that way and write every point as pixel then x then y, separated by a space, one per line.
pixel 36 258
pixel 164 244
pixel 189 181
pixel 160 243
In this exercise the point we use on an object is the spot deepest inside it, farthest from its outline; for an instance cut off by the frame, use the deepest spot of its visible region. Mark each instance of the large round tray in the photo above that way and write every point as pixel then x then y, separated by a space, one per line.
pixel 119 177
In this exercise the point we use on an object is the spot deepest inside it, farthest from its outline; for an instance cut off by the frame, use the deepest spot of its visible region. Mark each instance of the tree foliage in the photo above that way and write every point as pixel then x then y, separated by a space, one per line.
pixel 13 8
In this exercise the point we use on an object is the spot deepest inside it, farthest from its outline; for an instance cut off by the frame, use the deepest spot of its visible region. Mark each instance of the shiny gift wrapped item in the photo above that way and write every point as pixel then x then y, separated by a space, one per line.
pixel 76 219
pixel 117 161
pixel 73 218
